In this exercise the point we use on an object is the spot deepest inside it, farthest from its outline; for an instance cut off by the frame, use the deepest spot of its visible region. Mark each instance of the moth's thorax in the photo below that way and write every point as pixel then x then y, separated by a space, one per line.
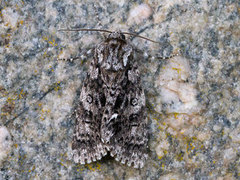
pixel 114 53
pixel 116 35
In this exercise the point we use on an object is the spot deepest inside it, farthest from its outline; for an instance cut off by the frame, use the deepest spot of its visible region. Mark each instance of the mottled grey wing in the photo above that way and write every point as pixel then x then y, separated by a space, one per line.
pixel 129 143
pixel 87 145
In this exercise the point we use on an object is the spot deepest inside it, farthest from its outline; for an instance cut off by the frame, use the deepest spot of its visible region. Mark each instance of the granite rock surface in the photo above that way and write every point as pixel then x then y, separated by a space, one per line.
pixel 193 99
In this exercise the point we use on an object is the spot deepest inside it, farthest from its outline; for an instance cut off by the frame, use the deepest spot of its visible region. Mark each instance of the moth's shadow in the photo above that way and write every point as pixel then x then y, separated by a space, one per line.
pixel 110 162
pixel 107 158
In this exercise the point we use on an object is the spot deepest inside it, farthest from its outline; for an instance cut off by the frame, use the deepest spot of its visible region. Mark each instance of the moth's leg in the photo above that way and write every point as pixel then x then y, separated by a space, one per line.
pixel 168 57
pixel 68 59
pixel 148 54
pixel 84 54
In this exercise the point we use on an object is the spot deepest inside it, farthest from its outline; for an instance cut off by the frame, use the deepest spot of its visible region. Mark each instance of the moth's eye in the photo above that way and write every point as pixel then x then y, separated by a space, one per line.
pixel 89 99
pixel 134 101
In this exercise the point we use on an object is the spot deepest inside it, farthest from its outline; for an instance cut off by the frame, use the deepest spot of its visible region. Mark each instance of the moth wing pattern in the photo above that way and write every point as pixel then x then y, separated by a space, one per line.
pixel 129 143
pixel 87 145
pixel 111 115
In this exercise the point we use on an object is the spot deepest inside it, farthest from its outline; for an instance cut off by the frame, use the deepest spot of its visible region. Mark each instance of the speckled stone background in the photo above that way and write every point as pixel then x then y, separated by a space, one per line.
pixel 193 100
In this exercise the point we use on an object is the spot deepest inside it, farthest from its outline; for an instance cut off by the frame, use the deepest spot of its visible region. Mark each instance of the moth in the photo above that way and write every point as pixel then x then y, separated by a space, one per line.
pixel 110 114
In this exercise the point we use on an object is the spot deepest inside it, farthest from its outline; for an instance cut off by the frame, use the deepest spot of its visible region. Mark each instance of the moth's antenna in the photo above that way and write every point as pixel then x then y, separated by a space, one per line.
pixel 83 29
pixel 107 31
pixel 133 34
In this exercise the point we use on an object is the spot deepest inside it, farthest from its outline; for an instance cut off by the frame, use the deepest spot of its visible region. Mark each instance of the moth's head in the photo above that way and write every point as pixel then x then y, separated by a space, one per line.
pixel 116 35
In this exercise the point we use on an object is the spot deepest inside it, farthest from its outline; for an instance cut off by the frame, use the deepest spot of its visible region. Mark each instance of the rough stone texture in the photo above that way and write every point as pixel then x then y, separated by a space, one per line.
pixel 5 143
pixel 193 100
